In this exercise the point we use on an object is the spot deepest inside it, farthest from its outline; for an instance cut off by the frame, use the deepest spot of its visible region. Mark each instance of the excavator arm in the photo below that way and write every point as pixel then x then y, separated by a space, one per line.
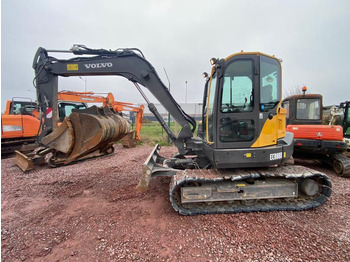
pixel 128 63
pixel 84 97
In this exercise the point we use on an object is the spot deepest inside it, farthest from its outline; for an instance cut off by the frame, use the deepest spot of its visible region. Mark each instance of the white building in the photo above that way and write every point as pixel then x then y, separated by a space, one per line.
pixel 192 109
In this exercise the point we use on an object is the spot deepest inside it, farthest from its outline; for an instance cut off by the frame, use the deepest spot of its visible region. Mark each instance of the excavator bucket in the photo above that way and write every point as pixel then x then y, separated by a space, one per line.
pixel 129 141
pixel 85 133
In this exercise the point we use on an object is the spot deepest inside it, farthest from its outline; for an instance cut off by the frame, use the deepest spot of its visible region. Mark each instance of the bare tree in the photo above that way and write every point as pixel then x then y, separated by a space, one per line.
pixel 296 90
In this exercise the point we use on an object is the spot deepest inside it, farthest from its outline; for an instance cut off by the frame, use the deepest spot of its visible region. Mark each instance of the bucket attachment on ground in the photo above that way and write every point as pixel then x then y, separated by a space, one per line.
pixel 129 141
pixel 85 133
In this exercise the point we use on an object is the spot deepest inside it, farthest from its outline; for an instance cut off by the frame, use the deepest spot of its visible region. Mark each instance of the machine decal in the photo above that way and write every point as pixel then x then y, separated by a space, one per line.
pixel 72 67
pixel 276 156
pixel 11 128
pixel 49 112
pixel 98 65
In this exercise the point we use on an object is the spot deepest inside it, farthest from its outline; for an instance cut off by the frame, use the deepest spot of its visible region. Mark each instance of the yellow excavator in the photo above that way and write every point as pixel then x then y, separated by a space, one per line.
pixel 238 161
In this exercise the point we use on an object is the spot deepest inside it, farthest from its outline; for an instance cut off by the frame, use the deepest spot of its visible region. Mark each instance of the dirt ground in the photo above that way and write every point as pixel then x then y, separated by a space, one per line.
pixel 90 211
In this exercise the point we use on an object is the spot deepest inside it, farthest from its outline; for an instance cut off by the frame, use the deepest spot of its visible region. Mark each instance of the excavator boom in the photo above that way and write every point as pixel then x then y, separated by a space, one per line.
pixel 124 62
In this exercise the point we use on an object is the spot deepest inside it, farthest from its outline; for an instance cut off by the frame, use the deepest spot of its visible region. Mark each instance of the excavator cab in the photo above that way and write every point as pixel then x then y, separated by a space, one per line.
pixel 19 125
pixel 304 109
pixel 346 120
pixel 242 113
pixel 21 107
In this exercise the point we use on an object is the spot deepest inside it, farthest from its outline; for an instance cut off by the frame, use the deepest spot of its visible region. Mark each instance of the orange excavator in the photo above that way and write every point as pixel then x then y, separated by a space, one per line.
pixel 129 140
pixel 312 139
pixel 19 125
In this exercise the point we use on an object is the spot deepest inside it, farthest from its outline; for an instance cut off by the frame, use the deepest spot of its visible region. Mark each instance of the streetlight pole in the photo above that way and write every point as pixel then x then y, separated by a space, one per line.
pixel 168 112
pixel 186 93
pixel 85 80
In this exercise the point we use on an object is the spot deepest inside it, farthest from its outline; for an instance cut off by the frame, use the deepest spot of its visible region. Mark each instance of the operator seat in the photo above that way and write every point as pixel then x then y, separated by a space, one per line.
pixel 61 113
pixel 266 94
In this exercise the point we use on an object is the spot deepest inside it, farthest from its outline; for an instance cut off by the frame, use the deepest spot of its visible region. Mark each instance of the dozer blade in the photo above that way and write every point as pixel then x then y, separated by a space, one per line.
pixel 23 162
pixel 27 162
pixel 152 167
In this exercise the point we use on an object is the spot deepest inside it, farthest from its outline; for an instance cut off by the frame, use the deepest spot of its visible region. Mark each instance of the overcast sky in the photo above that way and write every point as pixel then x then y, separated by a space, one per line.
pixel 312 38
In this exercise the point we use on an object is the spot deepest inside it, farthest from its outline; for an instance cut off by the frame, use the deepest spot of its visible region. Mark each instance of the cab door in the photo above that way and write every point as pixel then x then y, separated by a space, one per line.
pixel 237 119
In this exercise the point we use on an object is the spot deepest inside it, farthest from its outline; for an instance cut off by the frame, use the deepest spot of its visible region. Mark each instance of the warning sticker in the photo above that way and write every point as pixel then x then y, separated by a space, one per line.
pixel 49 112
pixel 72 67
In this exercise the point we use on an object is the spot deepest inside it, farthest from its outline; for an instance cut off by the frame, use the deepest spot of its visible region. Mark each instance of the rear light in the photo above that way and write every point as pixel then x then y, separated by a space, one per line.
pixel 299 144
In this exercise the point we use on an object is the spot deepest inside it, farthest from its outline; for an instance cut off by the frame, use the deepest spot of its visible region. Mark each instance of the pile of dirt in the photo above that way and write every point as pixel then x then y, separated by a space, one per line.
pixel 90 211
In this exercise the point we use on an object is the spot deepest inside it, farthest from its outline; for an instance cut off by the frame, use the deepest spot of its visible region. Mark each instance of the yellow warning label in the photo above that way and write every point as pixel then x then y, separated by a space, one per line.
pixel 248 155
pixel 72 67
pixel 240 185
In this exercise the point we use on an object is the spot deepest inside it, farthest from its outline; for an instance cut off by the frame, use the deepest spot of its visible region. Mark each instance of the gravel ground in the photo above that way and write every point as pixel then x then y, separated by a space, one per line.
pixel 90 211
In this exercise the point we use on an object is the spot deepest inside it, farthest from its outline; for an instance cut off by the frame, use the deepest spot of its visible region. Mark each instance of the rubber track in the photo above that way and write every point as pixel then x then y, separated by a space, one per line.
pixel 286 172
pixel 346 163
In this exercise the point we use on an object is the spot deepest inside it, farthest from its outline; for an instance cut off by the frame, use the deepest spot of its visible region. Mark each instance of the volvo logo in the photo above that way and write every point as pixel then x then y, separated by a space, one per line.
pixel 98 65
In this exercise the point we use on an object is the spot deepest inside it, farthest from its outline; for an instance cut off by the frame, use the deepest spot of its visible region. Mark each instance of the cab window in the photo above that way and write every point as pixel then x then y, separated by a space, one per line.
pixel 210 108
pixel 270 83
pixel 308 109
pixel 65 109
pixel 285 105
pixel 237 90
